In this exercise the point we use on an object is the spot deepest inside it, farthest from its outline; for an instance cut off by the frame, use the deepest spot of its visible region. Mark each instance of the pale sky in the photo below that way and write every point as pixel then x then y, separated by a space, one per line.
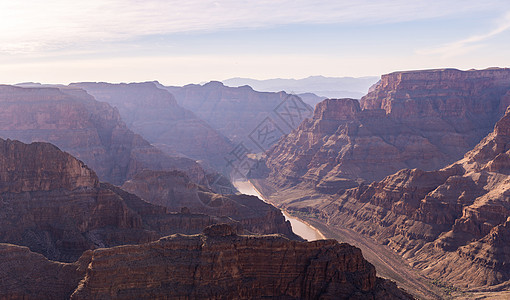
pixel 180 42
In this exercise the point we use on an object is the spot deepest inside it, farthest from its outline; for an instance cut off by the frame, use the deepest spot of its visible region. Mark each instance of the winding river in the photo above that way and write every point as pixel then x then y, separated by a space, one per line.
pixel 300 228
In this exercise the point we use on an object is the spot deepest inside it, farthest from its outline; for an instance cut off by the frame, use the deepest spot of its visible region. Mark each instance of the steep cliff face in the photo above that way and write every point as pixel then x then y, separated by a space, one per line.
pixel 175 191
pixel 218 264
pixel 419 119
pixel 221 265
pixel 41 167
pixel 452 223
pixel 55 205
pixel 154 113
pixel 90 130
pixel 238 112
pixel 28 275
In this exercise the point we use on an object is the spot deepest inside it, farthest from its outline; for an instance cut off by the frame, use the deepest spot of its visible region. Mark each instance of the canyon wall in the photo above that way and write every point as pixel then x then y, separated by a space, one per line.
pixel 90 130
pixel 217 264
pixel 154 113
pixel 416 119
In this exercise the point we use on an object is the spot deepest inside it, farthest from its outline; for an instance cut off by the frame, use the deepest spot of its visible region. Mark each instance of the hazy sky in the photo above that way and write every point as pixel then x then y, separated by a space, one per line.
pixel 179 42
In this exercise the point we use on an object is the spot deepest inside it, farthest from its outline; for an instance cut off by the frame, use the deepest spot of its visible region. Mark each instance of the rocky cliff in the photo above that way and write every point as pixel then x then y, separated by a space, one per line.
pixel 56 206
pixel 241 113
pixel 175 191
pixel 452 223
pixel 416 119
pixel 154 114
pixel 218 264
pixel 90 130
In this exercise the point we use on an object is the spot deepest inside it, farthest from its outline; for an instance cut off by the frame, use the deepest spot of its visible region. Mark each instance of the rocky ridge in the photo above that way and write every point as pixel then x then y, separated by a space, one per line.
pixel 90 130
pixel 56 206
pixel 218 264
pixel 154 113
pixel 238 112
pixel 453 223
pixel 415 119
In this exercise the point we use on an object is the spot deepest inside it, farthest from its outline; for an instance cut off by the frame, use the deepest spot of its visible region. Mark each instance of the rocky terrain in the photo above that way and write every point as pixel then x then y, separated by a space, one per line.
pixel 242 114
pixel 415 119
pixel 90 130
pixel 218 264
pixel 453 223
pixel 175 191
pixel 154 114
pixel 55 205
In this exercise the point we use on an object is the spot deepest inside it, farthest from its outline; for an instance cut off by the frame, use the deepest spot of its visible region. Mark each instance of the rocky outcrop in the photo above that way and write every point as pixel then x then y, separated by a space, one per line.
pixel 154 114
pixel 56 206
pixel 175 191
pixel 218 264
pixel 416 119
pixel 90 130
pixel 29 275
pixel 240 113
pixel 452 223
pixel 222 265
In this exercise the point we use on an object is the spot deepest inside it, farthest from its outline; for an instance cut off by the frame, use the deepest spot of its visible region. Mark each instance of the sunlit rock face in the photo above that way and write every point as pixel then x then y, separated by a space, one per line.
pixel 454 223
pixel 417 119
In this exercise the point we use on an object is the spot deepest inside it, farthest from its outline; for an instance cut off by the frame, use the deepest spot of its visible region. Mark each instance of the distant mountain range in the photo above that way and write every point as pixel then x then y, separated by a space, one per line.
pixel 324 87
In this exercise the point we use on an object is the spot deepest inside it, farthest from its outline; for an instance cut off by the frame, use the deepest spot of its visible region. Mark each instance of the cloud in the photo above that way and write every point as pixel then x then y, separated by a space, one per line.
pixel 34 25
pixel 468 44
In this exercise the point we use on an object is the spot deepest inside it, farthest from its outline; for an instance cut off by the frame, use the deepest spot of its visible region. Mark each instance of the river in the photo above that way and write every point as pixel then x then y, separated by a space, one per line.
pixel 300 228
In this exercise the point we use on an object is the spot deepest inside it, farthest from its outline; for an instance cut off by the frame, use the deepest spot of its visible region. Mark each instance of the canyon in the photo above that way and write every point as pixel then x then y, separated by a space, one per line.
pixel 154 113
pixel 255 119
pixel 175 191
pixel 419 166
pixel 413 119
pixel 55 205
pixel 92 131
pixel 91 239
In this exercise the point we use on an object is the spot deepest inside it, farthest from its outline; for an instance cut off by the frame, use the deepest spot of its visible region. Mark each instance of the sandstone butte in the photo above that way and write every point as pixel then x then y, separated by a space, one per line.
pixel 92 131
pixel 217 264
pixel 415 119
pixel 452 223
pixel 55 205
pixel 154 113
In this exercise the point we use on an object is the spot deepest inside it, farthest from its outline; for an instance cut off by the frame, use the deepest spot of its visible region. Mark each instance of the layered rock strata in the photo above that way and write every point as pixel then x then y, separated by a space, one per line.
pixel 90 130
pixel 55 205
pixel 154 114
pixel 453 223
pixel 415 119
pixel 175 191
pixel 218 264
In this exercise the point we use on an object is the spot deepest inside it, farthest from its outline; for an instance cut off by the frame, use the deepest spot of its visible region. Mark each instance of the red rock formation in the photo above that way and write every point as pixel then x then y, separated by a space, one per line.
pixel 90 130
pixel 28 275
pixel 55 205
pixel 175 191
pixel 452 223
pixel 154 113
pixel 217 264
pixel 418 119
pixel 222 265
